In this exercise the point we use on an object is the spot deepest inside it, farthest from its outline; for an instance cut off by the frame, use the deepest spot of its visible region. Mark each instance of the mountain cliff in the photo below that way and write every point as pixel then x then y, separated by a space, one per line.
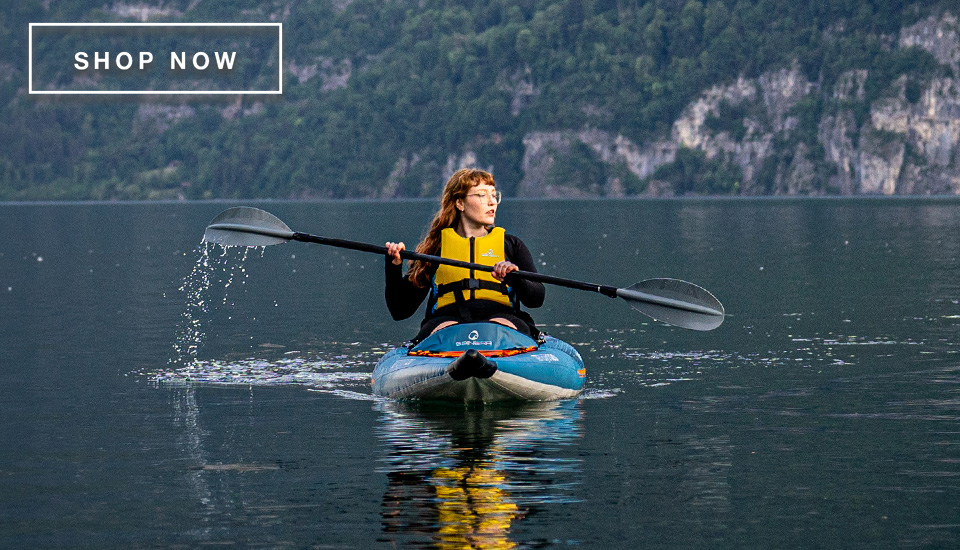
pixel 907 143
pixel 559 98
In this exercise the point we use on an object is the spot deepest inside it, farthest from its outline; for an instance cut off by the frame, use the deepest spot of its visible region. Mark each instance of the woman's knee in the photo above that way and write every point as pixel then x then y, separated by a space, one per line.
pixel 504 322
pixel 444 324
pixel 498 320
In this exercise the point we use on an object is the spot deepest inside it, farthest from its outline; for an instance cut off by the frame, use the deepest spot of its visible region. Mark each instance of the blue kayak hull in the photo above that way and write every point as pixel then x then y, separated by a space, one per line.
pixel 516 368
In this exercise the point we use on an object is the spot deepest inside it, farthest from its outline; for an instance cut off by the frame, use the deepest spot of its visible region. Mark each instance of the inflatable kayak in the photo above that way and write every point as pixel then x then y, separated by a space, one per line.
pixel 480 362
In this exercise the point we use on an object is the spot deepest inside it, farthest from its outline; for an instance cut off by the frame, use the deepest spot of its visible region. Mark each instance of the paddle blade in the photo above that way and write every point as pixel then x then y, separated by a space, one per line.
pixel 245 226
pixel 675 302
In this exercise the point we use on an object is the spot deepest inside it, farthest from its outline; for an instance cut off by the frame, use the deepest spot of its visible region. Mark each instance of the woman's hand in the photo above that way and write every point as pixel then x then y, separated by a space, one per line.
pixel 501 269
pixel 393 252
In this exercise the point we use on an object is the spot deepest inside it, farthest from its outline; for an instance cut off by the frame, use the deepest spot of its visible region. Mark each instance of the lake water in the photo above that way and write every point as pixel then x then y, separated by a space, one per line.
pixel 158 394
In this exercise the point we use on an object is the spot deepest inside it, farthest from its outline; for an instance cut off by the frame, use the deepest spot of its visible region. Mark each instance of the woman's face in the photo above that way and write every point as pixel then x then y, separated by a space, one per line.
pixel 479 207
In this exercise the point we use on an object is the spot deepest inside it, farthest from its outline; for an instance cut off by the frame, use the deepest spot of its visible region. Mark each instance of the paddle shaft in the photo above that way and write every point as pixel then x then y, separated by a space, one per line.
pixel 673 301
pixel 408 255
pixel 610 291
pixel 632 294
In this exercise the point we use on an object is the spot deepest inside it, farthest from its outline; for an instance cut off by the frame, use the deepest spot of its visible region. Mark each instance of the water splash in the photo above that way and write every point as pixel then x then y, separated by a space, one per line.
pixel 210 271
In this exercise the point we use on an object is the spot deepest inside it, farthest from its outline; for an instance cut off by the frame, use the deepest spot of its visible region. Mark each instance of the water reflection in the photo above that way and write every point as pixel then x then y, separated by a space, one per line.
pixel 186 416
pixel 463 478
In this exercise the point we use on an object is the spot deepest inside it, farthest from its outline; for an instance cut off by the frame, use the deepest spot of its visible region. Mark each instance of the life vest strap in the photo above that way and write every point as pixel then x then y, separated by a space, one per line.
pixel 472 284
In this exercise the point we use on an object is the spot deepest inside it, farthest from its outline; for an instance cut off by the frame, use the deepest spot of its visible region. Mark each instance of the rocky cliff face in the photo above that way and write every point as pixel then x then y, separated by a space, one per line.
pixel 905 147
pixel 909 143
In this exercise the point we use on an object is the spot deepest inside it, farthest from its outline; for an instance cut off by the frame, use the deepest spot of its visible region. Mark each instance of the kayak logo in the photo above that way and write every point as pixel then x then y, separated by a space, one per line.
pixel 473 339
pixel 474 343
pixel 490 254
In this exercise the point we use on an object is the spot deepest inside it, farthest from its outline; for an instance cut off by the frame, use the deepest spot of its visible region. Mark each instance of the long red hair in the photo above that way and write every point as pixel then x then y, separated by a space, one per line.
pixel 457 187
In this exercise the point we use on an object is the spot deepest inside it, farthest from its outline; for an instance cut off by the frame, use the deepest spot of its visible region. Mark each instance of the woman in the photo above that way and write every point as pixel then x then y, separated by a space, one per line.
pixel 463 229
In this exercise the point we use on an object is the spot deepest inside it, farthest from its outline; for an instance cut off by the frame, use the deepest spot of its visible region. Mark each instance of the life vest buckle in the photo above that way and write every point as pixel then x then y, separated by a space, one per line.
pixel 473 284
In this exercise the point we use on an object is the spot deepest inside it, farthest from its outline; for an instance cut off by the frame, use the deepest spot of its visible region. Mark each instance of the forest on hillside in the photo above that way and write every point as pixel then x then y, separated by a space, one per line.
pixel 370 85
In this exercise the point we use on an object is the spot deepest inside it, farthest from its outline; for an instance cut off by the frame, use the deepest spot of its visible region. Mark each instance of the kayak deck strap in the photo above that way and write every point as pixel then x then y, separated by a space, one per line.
pixel 484 352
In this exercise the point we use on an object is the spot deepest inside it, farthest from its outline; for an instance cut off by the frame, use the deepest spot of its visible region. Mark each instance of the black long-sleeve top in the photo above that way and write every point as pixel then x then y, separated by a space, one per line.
pixel 404 298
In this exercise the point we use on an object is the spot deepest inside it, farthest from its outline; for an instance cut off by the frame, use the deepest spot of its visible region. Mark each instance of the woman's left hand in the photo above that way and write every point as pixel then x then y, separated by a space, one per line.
pixel 501 269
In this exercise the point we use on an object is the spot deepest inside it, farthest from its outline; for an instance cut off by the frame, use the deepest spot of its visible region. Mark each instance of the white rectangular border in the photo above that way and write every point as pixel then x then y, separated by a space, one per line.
pixel 31 91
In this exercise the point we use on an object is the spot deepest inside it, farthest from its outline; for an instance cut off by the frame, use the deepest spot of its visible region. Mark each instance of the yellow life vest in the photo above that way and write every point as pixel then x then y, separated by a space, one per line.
pixel 470 284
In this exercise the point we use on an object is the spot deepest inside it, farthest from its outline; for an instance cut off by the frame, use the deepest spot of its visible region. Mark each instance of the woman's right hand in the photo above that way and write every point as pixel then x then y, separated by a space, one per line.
pixel 393 251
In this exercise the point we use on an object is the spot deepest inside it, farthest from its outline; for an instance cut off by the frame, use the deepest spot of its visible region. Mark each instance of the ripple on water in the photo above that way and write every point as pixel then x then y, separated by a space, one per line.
pixel 337 372
pixel 616 362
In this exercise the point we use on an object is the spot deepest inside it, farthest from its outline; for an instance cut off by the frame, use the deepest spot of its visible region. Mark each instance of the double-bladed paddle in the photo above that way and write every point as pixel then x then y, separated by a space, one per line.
pixel 672 301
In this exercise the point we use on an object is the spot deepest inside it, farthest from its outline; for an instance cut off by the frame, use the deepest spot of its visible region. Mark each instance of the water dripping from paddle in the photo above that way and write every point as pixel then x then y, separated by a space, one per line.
pixel 211 287
pixel 211 272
